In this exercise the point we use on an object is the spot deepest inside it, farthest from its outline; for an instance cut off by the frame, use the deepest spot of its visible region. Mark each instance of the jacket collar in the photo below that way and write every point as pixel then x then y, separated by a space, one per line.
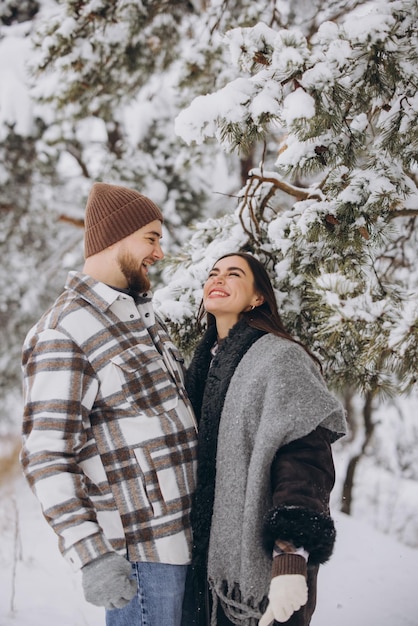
pixel 96 293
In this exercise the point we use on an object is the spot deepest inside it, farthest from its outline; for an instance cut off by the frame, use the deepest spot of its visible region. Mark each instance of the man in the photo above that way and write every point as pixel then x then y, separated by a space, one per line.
pixel 109 438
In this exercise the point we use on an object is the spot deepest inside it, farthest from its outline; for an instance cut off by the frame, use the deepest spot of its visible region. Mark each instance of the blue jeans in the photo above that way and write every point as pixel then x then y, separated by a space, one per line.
pixel 159 599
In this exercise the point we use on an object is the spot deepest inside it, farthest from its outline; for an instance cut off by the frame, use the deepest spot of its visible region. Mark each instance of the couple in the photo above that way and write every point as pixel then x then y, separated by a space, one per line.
pixel 114 428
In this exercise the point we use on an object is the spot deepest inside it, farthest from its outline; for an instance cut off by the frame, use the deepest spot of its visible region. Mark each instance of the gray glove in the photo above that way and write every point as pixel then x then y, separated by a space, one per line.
pixel 106 581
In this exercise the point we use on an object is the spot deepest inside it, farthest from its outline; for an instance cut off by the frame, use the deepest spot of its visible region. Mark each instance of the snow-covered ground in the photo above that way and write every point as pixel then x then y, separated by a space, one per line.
pixel 371 579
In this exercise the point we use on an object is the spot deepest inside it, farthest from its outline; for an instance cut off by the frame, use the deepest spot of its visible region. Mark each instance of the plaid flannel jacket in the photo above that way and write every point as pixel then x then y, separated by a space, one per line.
pixel 109 440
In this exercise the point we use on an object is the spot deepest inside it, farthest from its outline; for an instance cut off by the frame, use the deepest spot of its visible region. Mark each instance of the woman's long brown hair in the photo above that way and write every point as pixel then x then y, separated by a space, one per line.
pixel 265 317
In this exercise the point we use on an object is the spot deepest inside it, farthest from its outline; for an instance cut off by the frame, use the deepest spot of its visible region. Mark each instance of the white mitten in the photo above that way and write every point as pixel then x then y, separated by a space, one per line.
pixel 288 593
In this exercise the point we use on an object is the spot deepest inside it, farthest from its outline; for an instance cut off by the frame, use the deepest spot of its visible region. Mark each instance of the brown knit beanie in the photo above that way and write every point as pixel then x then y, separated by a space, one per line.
pixel 114 212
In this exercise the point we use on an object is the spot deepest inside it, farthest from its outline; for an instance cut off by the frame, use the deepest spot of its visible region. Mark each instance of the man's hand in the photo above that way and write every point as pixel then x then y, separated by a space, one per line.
pixel 107 582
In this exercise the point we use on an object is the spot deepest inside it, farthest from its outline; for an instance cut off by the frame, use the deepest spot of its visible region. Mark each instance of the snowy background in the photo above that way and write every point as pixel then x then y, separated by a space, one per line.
pixel 371 580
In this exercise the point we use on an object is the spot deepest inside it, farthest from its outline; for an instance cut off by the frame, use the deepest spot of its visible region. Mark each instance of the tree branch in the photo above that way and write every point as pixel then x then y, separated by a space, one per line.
pixel 404 213
pixel 296 192
pixel 75 221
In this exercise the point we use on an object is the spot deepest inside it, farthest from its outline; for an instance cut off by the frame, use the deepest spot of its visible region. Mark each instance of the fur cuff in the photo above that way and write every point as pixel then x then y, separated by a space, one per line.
pixel 311 530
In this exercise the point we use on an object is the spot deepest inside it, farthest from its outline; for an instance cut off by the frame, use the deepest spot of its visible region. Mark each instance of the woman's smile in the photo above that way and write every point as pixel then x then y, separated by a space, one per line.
pixel 218 293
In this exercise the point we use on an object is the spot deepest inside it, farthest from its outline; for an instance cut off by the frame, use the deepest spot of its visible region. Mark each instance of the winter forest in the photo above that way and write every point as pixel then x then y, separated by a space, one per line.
pixel 286 128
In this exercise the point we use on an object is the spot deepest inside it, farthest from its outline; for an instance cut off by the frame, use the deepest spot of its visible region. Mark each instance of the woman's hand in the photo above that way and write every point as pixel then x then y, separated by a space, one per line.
pixel 288 593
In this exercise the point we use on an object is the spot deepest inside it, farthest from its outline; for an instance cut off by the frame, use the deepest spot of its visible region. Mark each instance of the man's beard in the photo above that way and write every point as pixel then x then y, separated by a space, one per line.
pixel 137 279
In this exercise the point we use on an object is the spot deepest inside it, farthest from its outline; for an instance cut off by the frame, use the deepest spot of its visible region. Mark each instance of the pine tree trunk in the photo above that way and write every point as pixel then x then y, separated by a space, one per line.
pixel 347 494
pixel 246 164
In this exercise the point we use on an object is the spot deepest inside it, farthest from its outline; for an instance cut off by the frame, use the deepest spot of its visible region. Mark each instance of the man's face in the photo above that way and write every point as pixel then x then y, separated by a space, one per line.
pixel 137 252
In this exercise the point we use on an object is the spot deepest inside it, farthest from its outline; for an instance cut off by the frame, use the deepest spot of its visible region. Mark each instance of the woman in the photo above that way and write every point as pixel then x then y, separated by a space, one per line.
pixel 260 515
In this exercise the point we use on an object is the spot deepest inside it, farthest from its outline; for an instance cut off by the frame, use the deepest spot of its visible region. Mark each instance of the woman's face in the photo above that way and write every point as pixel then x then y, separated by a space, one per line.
pixel 229 289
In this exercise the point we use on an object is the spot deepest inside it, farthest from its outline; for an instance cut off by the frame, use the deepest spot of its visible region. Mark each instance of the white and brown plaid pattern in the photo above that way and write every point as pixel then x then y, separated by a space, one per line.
pixel 109 443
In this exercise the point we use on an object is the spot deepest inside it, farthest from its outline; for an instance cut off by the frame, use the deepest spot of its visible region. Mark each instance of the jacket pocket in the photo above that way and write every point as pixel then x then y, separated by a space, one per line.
pixel 164 483
pixel 145 380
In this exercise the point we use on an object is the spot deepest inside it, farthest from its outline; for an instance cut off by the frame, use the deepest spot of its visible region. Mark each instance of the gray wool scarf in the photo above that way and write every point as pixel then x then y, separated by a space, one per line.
pixel 276 395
